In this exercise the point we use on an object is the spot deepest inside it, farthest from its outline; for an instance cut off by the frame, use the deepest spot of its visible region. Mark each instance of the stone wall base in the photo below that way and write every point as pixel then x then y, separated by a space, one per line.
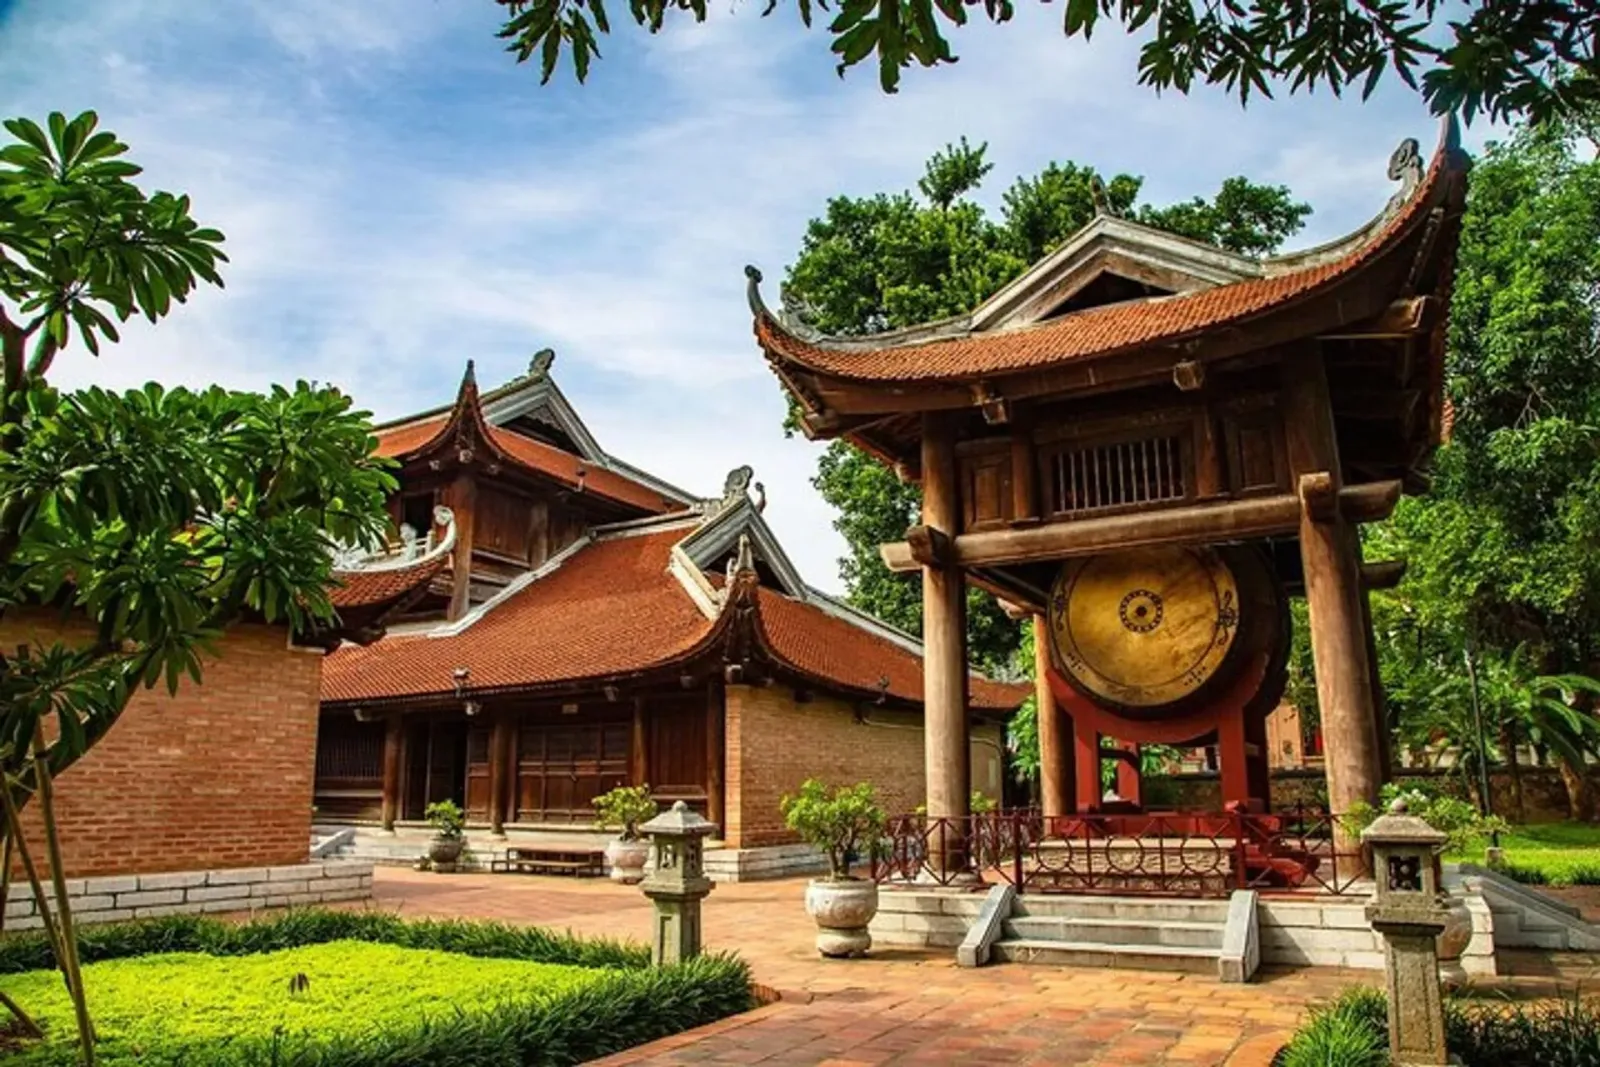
pixel 114 898
pixel 762 864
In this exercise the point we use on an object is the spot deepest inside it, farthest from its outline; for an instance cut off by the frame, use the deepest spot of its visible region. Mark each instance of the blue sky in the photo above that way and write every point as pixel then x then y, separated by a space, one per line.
pixel 399 196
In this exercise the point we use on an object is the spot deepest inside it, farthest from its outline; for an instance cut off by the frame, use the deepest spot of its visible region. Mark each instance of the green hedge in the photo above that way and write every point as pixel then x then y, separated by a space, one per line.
pixel 1353 1031
pixel 633 1004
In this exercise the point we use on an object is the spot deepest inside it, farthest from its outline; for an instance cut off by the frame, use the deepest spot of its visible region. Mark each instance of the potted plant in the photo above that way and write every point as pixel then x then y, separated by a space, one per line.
pixel 839 825
pixel 449 835
pixel 623 809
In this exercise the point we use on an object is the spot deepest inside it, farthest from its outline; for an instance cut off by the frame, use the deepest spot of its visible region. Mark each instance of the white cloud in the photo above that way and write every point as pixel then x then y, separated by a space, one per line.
pixel 399 197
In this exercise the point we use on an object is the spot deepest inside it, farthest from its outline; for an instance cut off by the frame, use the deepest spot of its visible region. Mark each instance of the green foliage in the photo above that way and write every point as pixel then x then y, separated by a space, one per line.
pixel 980 803
pixel 449 822
pixel 624 808
pixel 871 264
pixel 1502 57
pixel 1461 822
pixel 1552 854
pixel 354 989
pixel 1350 1032
pixel 79 241
pixel 840 823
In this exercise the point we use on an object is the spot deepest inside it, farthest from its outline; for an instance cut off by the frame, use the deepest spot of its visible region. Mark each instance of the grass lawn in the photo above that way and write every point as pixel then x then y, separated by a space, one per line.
pixel 1559 853
pixel 355 987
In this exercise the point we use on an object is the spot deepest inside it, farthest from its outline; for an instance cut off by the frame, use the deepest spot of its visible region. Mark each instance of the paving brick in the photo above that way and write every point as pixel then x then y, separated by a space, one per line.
pixel 179 880
pixel 219 892
pixel 154 899
pixel 235 876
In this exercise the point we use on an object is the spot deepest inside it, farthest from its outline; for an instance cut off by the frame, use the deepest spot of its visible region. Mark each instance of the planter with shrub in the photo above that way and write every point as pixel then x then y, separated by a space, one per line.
pixel 449 835
pixel 840 825
pixel 624 809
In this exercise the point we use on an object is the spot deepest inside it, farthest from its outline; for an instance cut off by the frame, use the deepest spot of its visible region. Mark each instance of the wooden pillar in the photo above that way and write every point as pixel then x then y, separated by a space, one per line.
pixel 1328 553
pixel 500 746
pixel 1130 775
pixel 1086 757
pixel 393 742
pixel 944 633
pixel 1055 798
pixel 1380 703
pixel 638 758
pixel 463 502
pixel 715 754
pixel 1258 762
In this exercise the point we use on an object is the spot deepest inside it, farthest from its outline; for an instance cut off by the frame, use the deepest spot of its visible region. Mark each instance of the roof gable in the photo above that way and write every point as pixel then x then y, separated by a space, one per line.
pixel 1150 262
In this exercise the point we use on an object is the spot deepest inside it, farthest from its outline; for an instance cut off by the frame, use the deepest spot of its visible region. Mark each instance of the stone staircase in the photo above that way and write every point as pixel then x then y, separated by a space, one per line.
pixel 1086 931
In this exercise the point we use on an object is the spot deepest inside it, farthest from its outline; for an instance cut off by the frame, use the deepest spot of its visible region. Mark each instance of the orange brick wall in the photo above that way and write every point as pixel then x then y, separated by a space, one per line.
pixel 217 776
pixel 775 743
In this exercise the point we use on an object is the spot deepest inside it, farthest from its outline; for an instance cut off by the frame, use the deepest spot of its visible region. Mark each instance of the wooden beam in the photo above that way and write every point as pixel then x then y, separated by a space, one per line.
pixel 1403 318
pixel 1382 573
pixel 1233 520
pixel 929 547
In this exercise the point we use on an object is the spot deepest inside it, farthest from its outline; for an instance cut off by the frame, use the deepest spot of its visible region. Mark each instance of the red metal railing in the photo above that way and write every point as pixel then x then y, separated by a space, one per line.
pixel 1159 854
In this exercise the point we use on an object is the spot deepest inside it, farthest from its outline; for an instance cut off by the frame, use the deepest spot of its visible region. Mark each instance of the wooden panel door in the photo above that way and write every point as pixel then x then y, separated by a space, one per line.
pixel 677 748
pixel 477 805
pixel 563 766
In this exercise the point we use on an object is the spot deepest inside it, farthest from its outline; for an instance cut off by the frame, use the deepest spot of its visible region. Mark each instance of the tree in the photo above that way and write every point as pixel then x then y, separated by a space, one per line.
pixel 150 520
pixel 877 263
pixel 1502 57
pixel 1503 552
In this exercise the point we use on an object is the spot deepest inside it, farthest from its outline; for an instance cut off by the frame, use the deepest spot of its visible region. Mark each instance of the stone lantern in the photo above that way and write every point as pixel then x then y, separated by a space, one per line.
pixel 1409 910
pixel 676 883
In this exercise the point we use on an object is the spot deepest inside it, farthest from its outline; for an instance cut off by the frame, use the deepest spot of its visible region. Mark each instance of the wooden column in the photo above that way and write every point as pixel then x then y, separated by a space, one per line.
pixel 463 497
pixel 500 745
pixel 1055 797
pixel 944 633
pixel 1329 556
pixel 1130 775
pixel 638 758
pixel 715 754
pixel 1086 757
pixel 393 742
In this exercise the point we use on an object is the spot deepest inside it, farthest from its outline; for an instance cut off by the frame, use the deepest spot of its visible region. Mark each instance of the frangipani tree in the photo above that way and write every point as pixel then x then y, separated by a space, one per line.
pixel 151 520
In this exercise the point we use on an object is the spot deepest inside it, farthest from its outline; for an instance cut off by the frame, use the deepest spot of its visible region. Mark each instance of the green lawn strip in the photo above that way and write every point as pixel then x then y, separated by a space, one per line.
pixel 621 1001
pixel 1558 854
pixel 352 988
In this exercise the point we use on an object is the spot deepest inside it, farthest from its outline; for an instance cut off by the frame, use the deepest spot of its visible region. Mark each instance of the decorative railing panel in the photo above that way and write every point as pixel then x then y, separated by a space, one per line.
pixel 1166 854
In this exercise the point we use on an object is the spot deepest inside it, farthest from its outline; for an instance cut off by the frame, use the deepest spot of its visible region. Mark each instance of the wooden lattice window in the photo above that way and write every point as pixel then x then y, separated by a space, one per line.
pixel 1093 477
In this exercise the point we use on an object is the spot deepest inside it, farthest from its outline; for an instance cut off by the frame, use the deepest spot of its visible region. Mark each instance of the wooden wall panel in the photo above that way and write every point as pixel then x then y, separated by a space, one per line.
pixel 677 748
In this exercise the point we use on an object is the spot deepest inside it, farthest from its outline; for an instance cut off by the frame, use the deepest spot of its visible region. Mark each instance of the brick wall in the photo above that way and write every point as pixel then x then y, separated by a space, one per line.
pixel 218 776
pixel 774 743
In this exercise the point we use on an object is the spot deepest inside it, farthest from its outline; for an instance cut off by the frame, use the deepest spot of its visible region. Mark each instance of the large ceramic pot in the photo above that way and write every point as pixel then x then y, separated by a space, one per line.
pixel 444 852
pixel 1453 939
pixel 627 860
pixel 842 911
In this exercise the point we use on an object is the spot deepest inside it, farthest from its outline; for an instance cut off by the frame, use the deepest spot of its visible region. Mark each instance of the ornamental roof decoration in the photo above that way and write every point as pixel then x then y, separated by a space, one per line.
pixel 1193 292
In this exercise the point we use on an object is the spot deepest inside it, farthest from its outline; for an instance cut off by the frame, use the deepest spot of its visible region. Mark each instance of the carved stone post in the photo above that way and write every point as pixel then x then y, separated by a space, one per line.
pixel 677 883
pixel 1410 911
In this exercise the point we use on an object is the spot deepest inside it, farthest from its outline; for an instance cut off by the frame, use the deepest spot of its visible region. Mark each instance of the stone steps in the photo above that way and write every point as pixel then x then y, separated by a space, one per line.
pixel 1132 932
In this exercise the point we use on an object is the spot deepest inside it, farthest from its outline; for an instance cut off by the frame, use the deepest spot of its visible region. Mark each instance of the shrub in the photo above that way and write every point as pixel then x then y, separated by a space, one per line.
pixel 1564 1033
pixel 980 803
pixel 624 808
pixel 839 825
pixel 446 818
pixel 1525 875
pixel 1350 1032
pixel 1457 819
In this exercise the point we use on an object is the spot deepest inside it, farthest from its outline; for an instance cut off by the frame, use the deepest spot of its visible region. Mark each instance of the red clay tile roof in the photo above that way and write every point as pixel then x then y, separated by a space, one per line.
pixel 360 589
pixel 612 610
pixel 536 456
pixel 1100 330
pixel 815 643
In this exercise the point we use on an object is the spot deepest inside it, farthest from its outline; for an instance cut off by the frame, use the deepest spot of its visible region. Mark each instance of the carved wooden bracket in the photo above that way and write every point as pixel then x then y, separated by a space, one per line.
pixel 1319 496
pixel 996 408
pixel 1189 375
pixel 929 547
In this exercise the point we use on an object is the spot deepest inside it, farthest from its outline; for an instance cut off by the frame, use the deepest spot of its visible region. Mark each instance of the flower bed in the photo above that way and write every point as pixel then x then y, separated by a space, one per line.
pixel 335 989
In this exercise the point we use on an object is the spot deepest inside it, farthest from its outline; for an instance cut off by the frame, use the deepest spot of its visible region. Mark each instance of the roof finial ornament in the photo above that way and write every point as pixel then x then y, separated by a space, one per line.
pixel 1102 199
pixel 1405 167
pixel 761 498
pixel 539 365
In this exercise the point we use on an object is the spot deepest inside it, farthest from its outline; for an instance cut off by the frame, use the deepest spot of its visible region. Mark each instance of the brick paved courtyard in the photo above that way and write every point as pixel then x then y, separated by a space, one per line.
pixel 899 1007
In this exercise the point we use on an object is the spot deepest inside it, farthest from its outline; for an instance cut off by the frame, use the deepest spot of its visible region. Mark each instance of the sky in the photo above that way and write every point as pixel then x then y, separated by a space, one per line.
pixel 399 196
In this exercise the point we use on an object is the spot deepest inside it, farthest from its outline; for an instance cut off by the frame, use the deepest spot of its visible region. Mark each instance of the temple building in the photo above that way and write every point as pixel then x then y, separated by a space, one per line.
pixel 1150 444
pixel 596 627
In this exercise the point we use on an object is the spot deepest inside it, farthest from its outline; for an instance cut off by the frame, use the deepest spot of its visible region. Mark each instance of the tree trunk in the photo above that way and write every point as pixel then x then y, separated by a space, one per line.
pixel 1508 743
pixel 24 1022
pixel 1580 796
pixel 69 936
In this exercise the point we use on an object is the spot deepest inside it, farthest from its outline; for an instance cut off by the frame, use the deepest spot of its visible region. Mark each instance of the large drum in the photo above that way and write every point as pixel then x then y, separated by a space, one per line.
pixel 1151 633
